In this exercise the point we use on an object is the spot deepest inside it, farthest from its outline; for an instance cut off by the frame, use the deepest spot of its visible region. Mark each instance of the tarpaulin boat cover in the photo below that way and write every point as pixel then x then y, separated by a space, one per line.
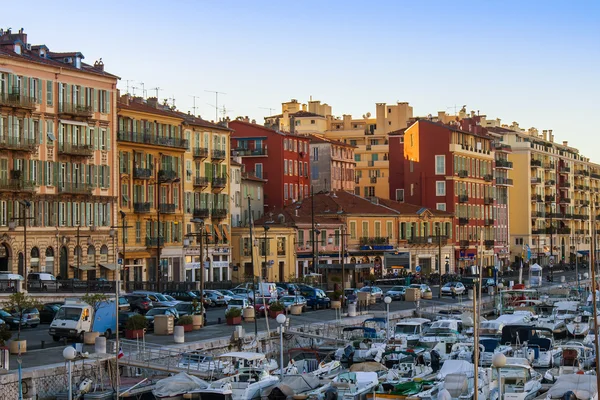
pixel 178 384
pixel 292 385
pixel 368 366
pixel 583 386
pixel 410 388
pixel 456 367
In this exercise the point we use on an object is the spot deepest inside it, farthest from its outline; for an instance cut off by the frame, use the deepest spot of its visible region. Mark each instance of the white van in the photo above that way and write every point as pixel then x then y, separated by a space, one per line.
pixel 41 281
pixel 76 317
pixel 266 289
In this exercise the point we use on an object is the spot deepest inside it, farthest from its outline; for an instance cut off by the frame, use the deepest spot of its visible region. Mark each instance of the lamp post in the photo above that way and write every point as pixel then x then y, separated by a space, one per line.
pixel 281 320
pixel 387 301
pixel 69 354
pixel 265 268
pixel 498 361
pixel 200 233
pixel 160 180
pixel 26 204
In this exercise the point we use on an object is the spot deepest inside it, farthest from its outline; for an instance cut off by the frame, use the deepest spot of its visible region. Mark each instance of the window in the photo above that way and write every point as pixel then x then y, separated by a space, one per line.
pixel 285 191
pixel 377 229
pixel 440 165
pixel 352 229
pixel 138 231
pixel 389 226
pixel 440 188
pixel 316 154
pixel 365 229
pixel 258 170
pixel 440 206
pixel 400 195
pixel 412 166
pixel 49 96
pixel 312 121
pixel 281 246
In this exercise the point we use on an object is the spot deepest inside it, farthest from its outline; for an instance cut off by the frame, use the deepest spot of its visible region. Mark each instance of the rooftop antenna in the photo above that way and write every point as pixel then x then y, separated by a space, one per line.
pixel 268 108
pixel 450 108
pixel 128 80
pixel 156 89
pixel 224 111
pixel 173 100
pixel 194 102
pixel 143 90
pixel 134 87
pixel 216 102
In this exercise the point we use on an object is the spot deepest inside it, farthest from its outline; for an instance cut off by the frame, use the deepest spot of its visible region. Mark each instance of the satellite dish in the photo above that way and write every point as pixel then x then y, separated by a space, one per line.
pixel 368 115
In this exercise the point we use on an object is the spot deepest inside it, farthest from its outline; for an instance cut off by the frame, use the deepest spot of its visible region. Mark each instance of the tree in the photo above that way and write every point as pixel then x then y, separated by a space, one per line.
pixel 18 304
pixel 95 300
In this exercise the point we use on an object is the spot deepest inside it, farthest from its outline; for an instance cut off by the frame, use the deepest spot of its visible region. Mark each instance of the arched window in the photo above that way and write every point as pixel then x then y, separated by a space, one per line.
pixel 91 255
pixel 104 253
pixel 35 259
pixel 50 259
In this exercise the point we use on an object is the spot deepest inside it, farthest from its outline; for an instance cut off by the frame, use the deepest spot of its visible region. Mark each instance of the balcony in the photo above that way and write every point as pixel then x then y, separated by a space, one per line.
pixel 564 170
pixel 502 147
pixel 564 231
pixel 74 110
pixel 74 188
pixel 488 178
pixel 200 152
pixel 463 198
pixel 552 215
pixel 504 164
pixel 540 231
pixel 537 214
pixel 374 241
pixel 564 185
pixel 488 201
pixel 17 143
pixel 152 139
pixel 489 243
pixel 536 198
pixel 167 208
pixel 219 183
pixel 17 100
pixel 201 213
pixel 463 173
pixel 595 176
pixel 142 173
pixel 549 166
pixel 504 182
pixel 550 198
pixel 463 221
pixel 141 207
pixel 432 240
pixel 578 188
pixel 464 243
pixel 550 183
pixel 200 181
pixel 166 175
pixel 219 213
pixel 536 180
pixel 218 155
pixel 488 222
pixel 536 163
pixel 373 179
pixel 251 152
pixel 154 242
pixel 82 150
pixel 565 200
pixel 17 185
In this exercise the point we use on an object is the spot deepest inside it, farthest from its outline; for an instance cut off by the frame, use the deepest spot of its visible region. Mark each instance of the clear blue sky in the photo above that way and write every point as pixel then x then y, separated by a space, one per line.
pixel 535 62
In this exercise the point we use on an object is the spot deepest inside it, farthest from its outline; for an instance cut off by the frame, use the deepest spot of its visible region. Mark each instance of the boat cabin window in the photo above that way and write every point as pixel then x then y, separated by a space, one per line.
pixel 407 329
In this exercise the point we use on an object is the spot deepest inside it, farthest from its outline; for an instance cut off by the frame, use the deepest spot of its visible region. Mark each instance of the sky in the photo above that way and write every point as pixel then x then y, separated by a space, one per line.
pixel 534 62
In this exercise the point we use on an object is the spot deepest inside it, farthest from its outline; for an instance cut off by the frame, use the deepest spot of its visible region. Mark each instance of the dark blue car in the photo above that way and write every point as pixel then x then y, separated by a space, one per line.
pixel 315 298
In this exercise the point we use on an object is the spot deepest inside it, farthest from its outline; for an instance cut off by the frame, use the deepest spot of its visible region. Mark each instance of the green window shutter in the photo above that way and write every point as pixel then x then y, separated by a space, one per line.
pixel 55 173
pixel 40 172
pixel 107 176
pixel 95 100
pixel 82 95
pixel 95 135
pixel 69 213
pixel 26 127
pixel 49 93
pixel 39 91
pixel 68 99
pixel 10 83
pixel 10 125
pixel 108 139
pixel 108 97
pixel 88 136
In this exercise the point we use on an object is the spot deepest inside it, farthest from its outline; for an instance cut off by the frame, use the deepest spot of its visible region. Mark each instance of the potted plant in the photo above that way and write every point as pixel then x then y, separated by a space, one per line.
pixel 187 322
pixel 249 314
pixel 95 300
pixel 336 299
pixel 234 316
pixel 275 309
pixel 197 315
pixel 5 335
pixel 428 295
pixel 18 304
pixel 135 327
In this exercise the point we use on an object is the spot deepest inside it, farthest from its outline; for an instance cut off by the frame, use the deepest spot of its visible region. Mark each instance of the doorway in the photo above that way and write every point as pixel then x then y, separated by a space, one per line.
pixel 4 258
pixel 281 272
pixel 21 265
pixel 64 263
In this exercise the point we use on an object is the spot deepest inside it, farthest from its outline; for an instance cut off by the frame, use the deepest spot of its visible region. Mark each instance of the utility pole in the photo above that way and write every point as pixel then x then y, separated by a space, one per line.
pixel 26 204
pixel 439 263
pixel 216 103
pixel 251 223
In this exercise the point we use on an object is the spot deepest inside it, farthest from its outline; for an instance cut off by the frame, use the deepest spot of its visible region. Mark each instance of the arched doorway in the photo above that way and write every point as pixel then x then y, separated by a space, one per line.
pixel 21 264
pixel 50 260
pixel 5 264
pixel 64 263
pixel 34 261
pixel 91 260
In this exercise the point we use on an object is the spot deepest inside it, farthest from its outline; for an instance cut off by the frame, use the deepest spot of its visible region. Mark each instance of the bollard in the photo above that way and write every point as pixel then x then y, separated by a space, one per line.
pixel 178 334
pixel 219 321
pixel 100 345
pixel 43 344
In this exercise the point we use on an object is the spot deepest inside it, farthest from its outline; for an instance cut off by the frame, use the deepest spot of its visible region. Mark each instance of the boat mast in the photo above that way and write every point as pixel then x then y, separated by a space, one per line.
pixel 476 310
pixel 594 288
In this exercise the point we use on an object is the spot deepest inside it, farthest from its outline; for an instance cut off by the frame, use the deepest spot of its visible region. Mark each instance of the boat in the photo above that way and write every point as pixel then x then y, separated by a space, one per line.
pixel 580 326
pixel 174 387
pixel 347 386
pixel 489 347
pixel 442 335
pixel 408 331
pixel 456 381
pixel 518 381
pixel 533 343
pixel 292 386
pixel 575 358
pixel 582 387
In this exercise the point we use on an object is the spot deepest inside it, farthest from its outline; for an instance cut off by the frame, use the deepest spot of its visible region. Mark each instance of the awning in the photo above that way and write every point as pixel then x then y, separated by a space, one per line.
pixel 69 122
pixel 583 252
pixel 84 267
pixel 137 254
pixel 112 267
pixel 218 232
pixel 208 230
pixel 226 232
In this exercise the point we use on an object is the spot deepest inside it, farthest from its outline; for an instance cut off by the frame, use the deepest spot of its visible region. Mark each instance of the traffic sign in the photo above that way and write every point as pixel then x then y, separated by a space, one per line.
pixel 120 261
pixel 418 268
pixel 552 261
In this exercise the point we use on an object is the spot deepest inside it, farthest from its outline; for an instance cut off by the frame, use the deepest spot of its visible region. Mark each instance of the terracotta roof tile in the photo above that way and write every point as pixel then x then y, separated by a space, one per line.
pixel 412 209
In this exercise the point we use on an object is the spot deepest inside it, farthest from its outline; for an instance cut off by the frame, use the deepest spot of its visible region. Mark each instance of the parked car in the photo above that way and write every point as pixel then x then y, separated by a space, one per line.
pixel 290 287
pixel 238 303
pixel 248 294
pixel 259 306
pixel 281 292
pixel 220 293
pixel 31 317
pixel 375 292
pixel 206 301
pixel 139 302
pixel 397 292
pixel 421 286
pixel 12 321
pixel 171 299
pixel 228 293
pixel 184 308
pixel 289 301
pixel 41 281
pixel 47 312
pixel 214 299
pixel 160 311
pixel 124 304
pixel 316 298
pixel 453 288
pixel 158 300
pixel 182 295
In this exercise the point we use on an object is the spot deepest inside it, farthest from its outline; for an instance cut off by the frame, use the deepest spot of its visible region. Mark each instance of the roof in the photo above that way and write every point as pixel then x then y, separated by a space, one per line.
pixel 451 128
pixel 321 139
pixel 398 132
pixel 34 56
pixel 241 124
pixel 498 129
pixel 247 177
pixel 406 208
pixel 146 108
pixel 300 114
pixel 235 163
pixel 197 121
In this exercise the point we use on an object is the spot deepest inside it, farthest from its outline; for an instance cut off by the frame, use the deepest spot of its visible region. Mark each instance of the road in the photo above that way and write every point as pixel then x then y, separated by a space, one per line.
pixel 52 352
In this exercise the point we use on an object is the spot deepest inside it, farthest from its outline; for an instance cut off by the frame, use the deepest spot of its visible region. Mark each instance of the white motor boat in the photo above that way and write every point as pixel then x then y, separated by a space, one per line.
pixel 580 326
pixel 456 381
pixel 348 386
pixel 583 387
pixel 408 331
pixel 575 358
pixel 490 346
pixel 518 381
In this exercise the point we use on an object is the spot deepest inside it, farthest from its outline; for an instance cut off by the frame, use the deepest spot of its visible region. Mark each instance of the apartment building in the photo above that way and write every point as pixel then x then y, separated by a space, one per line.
pixel 57 158
pixel 332 165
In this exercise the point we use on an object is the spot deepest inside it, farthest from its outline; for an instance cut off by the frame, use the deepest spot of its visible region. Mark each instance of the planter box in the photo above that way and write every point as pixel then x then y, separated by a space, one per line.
pixel 90 337
pixel 234 320
pixel 336 305
pixel 188 328
pixel 134 334
pixel 428 295
pixel 296 310
pixel 274 314
pixel 13 346
pixel 249 314
pixel 198 322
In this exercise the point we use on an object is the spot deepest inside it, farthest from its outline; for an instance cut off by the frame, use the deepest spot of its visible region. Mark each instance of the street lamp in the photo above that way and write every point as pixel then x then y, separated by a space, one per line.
pixel 387 301
pixel 69 354
pixel 264 272
pixel 498 361
pixel 26 204
pixel 281 320
pixel 200 233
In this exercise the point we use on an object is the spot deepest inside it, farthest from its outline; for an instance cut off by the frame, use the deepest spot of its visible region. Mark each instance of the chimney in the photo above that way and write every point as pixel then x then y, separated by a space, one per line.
pixel 347 121
pixel 296 212
pixel 303 107
pixel 550 135
pixel 545 134
pixel 152 102
pixel 565 143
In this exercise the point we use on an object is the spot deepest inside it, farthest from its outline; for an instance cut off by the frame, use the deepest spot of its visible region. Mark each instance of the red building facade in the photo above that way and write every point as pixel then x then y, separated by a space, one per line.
pixel 280 158
pixel 450 168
